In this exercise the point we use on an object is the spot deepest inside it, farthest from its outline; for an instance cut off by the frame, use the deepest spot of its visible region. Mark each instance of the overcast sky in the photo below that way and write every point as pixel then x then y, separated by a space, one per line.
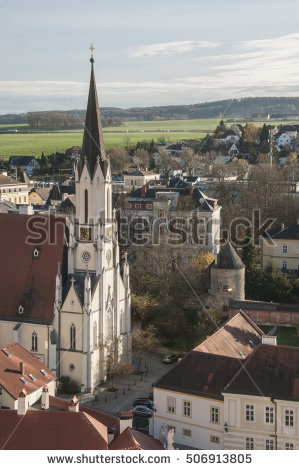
pixel 147 52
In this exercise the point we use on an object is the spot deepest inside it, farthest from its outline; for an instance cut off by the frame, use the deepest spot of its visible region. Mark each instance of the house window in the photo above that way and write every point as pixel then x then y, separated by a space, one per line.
pixel 170 405
pixel 214 415
pixel 284 249
pixel 187 408
pixel 187 432
pixel 269 414
pixel 215 439
pixel 249 443
pixel 34 342
pixel 73 337
pixel 289 418
pixel 284 264
pixel 137 206
pixel 169 428
pixel 269 444
pixel 289 446
pixel 249 415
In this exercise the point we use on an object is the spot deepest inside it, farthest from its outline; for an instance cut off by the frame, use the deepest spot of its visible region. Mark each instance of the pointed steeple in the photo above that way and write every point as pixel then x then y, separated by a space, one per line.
pixel 93 142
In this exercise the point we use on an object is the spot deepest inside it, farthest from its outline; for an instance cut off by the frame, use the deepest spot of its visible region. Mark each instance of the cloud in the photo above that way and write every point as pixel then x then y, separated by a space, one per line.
pixel 169 48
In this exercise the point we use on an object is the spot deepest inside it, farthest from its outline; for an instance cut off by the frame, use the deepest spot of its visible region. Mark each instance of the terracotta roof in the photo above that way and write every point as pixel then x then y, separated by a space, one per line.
pixel 130 439
pixel 26 280
pixel 238 337
pixel 45 429
pixel 271 371
pixel 108 420
pixel 200 373
pixel 10 373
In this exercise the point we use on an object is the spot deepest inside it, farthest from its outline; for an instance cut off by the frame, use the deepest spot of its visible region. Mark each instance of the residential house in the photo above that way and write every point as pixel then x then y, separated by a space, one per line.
pixel 22 370
pixel 25 163
pixel 12 190
pixel 38 196
pixel 57 424
pixel 139 178
pixel 280 248
pixel 261 402
pixel 188 398
pixel 229 136
pixel 282 139
pixel 176 148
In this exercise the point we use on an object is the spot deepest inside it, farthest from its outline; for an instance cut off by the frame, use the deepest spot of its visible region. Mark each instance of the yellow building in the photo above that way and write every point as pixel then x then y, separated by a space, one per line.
pixel 281 249
pixel 13 191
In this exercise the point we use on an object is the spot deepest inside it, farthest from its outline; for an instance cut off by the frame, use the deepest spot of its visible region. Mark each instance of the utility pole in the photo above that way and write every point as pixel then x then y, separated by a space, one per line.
pixel 271 149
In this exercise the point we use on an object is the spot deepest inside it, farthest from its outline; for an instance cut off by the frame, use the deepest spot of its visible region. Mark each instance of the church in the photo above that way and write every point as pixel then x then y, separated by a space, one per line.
pixel 64 287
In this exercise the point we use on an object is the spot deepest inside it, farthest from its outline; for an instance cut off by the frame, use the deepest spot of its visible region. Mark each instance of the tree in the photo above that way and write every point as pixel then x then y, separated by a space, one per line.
pixel 186 157
pixel 220 171
pixel 220 129
pixel 251 132
pixel 144 340
pixel 264 139
pixel 119 159
pixel 141 157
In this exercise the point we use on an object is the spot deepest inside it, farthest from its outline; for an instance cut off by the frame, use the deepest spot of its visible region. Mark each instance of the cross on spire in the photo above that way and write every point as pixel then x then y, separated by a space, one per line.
pixel 91 52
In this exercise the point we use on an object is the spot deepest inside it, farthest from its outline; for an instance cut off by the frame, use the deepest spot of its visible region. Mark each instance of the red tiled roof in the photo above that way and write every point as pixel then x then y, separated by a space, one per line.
pixel 131 439
pixel 200 373
pixel 238 337
pixel 24 279
pixel 10 374
pixel 108 420
pixel 45 429
pixel 271 371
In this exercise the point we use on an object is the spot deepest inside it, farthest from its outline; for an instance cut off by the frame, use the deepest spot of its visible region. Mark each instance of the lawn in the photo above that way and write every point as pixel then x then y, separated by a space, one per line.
pixel 286 336
pixel 35 143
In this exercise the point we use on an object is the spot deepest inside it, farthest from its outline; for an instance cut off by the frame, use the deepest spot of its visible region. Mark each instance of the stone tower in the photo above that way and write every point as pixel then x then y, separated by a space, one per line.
pixel 227 277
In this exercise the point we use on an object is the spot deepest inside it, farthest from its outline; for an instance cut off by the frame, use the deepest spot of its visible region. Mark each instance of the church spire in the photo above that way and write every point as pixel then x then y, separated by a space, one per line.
pixel 93 143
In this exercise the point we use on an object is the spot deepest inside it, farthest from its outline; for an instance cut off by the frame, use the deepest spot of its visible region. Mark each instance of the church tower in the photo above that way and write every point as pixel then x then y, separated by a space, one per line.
pixel 95 327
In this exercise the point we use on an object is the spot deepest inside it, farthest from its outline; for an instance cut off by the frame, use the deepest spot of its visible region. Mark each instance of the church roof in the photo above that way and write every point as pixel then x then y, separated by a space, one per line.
pixel 93 142
pixel 79 278
pixel 26 280
pixel 227 258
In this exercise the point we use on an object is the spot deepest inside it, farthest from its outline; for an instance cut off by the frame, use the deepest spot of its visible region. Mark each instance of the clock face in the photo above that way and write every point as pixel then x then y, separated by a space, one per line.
pixel 85 233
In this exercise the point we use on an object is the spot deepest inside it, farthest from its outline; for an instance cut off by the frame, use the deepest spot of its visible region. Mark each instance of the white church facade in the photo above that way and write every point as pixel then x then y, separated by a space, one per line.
pixel 89 327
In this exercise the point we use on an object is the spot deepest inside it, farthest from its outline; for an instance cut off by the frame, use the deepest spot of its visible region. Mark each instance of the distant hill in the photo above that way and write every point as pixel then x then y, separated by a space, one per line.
pixel 245 108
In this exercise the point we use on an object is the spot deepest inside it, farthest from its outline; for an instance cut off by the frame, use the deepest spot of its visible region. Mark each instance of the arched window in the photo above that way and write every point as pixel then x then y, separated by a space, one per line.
pixel 73 337
pixel 95 335
pixel 34 342
pixel 86 205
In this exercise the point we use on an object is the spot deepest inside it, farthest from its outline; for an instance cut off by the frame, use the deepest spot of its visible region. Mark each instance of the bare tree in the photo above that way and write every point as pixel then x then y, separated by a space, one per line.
pixel 119 159
pixel 144 340
pixel 141 157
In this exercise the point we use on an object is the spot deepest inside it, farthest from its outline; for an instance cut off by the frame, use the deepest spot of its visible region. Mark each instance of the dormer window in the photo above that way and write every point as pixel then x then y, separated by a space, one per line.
pixel 36 253
pixel 21 310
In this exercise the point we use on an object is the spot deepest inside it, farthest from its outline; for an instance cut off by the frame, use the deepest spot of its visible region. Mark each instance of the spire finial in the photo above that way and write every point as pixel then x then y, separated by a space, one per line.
pixel 91 53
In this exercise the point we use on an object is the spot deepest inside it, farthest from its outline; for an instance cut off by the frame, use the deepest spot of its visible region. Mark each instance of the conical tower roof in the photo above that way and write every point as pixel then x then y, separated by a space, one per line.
pixel 227 258
pixel 93 142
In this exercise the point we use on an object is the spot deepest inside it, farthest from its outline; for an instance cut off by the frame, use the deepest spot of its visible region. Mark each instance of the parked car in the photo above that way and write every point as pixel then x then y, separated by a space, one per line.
pixel 170 358
pixel 142 411
pixel 144 401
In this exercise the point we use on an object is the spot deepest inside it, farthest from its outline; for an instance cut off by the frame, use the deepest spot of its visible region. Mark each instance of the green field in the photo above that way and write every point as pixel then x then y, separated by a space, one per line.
pixel 36 143
pixel 26 142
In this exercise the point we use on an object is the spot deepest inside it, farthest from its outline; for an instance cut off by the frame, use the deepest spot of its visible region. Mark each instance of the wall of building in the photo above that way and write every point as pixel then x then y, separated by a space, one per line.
pixel 269 317
pixel 199 423
pixel 274 255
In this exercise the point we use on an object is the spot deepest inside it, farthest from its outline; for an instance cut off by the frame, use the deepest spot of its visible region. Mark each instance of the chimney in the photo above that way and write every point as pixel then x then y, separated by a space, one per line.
pixel 125 420
pixel 22 369
pixel 45 398
pixel 74 405
pixel 271 340
pixel 22 403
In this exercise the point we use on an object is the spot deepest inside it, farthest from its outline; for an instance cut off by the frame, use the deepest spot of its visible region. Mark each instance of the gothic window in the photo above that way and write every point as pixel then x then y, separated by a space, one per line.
pixel 34 342
pixel 73 337
pixel 86 205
